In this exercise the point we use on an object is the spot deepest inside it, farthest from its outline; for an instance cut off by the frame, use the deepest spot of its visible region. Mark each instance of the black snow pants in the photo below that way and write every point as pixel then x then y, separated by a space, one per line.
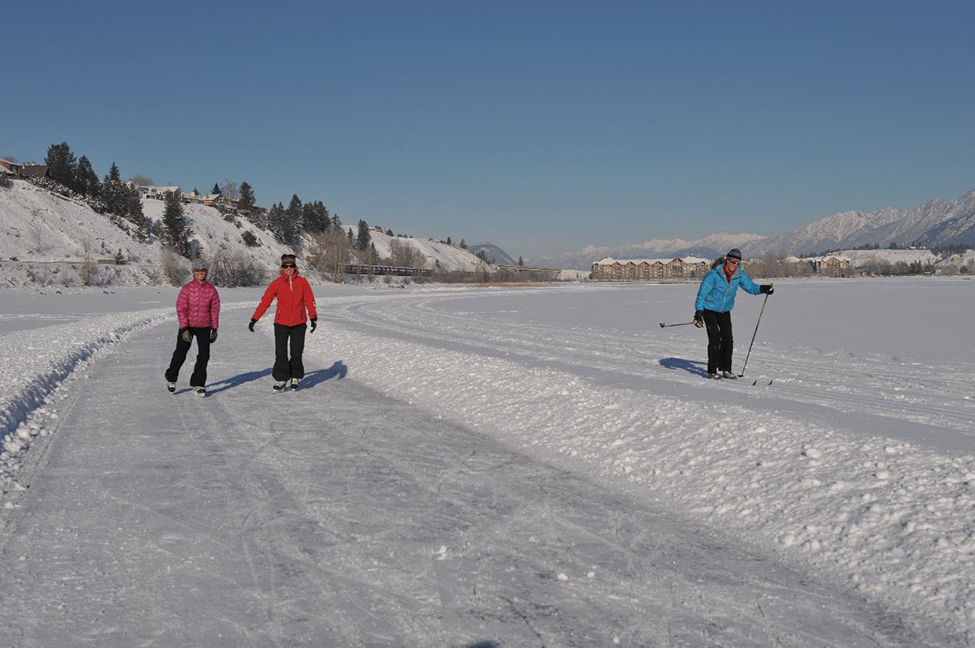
pixel 721 344
pixel 199 377
pixel 283 367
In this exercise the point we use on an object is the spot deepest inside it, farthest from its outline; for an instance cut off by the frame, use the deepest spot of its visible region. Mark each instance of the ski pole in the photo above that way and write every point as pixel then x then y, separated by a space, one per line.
pixel 662 325
pixel 742 374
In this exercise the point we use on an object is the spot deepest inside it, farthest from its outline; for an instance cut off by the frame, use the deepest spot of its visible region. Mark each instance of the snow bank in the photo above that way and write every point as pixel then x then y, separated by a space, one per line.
pixel 895 520
pixel 37 365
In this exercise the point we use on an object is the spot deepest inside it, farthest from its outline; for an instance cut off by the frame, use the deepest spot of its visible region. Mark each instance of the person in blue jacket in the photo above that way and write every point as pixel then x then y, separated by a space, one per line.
pixel 715 299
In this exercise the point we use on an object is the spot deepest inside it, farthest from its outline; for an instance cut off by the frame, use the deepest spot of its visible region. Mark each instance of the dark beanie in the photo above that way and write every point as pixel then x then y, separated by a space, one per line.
pixel 734 253
pixel 288 258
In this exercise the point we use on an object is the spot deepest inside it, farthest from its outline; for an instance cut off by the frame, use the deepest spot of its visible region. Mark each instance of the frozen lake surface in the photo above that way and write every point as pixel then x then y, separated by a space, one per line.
pixel 463 467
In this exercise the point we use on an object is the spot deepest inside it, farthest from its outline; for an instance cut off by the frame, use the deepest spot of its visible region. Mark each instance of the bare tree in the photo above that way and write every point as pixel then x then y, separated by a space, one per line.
pixel 173 266
pixel 331 251
pixel 231 268
pixel 140 180
pixel 403 254
pixel 89 266
pixel 229 190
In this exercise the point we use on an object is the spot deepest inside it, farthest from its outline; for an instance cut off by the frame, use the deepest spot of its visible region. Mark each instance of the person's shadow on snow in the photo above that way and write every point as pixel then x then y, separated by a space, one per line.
pixel 238 380
pixel 337 370
pixel 690 366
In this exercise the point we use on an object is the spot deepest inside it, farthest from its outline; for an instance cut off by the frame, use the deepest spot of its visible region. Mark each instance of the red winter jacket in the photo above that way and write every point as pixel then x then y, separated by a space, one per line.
pixel 294 298
pixel 198 305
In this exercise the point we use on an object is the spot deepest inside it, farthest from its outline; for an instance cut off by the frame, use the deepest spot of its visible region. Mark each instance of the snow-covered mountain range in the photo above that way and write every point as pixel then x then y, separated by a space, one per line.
pixel 935 223
pixel 709 247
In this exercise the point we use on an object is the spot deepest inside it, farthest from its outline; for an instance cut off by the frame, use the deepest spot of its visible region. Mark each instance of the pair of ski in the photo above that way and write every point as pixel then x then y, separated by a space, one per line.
pixel 754 382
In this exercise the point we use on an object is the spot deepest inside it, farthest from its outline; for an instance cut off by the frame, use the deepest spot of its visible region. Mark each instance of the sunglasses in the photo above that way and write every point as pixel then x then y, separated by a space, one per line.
pixel 733 261
pixel 288 265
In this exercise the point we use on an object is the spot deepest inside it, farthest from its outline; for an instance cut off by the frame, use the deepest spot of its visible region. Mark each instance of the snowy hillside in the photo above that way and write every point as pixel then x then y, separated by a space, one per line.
pixel 492 253
pixel 45 238
pixel 710 246
pixel 436 255
pixel 212 232
pixel 36 225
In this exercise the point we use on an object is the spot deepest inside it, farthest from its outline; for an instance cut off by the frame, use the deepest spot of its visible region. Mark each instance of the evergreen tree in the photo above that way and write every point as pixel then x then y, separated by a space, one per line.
pixel 275 221
pixel 293 222
pixel 389 232
pixel 61 164
pixel 175 232
pixel 247 199
pixel 463 244
pixel 133 212
pixel 316 218
pixel 114 193
pixel 336 223
pixel 86 180
pixel 363 239
pixel 521 262
pixel 216 189
pixel 113 174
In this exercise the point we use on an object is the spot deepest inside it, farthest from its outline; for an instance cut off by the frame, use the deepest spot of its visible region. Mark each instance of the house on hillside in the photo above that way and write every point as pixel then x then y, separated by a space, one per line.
pixel 32 171
pixel 11 169
pixel 156 193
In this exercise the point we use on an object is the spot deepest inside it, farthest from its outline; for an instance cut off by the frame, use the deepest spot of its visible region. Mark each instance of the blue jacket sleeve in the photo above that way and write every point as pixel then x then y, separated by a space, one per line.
pixel 706 286
pixel 747 284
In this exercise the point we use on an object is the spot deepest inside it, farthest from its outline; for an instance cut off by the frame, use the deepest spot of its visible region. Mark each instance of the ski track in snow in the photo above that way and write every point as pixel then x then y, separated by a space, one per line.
pixel 892 519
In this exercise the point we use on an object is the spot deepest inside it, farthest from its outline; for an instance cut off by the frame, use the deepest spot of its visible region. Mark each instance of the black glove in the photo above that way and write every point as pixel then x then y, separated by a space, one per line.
pixel 251 325
pixel 213 335
pixel 186 334
pixel 766 288
pixel 699 319
pixel 314 323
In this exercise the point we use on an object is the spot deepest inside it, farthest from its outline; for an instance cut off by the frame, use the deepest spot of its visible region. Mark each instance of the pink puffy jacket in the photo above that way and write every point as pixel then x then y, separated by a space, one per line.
pixel 198 305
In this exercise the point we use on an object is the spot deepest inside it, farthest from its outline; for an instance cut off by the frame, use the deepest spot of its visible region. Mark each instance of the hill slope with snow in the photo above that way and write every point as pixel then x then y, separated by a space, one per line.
pixel 43 234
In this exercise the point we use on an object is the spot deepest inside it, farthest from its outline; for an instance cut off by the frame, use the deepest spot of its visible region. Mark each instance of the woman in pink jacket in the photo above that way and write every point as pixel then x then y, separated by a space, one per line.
pixel 198 310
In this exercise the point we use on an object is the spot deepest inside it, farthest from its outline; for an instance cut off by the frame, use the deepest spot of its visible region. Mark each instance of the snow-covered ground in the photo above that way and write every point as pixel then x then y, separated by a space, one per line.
pixel 541 466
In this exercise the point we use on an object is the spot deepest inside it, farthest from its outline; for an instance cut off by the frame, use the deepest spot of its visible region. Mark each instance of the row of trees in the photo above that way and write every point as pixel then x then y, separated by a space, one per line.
pixel 110 195
pixel 332 245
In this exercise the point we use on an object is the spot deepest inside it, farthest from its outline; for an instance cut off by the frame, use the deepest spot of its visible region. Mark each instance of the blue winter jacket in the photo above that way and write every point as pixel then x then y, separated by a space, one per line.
pixel 718 294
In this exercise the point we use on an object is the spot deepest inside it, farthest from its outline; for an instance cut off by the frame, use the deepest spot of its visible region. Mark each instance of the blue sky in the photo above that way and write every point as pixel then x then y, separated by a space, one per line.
pixel 538 126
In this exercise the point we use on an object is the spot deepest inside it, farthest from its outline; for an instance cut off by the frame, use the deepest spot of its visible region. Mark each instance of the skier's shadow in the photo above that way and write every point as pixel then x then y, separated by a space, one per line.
pixel 238 380
pixel 690 366
pixel 337 370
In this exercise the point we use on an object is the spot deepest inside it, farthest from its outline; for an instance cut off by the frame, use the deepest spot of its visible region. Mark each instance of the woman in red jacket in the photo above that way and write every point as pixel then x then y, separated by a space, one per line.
pixel 295 299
